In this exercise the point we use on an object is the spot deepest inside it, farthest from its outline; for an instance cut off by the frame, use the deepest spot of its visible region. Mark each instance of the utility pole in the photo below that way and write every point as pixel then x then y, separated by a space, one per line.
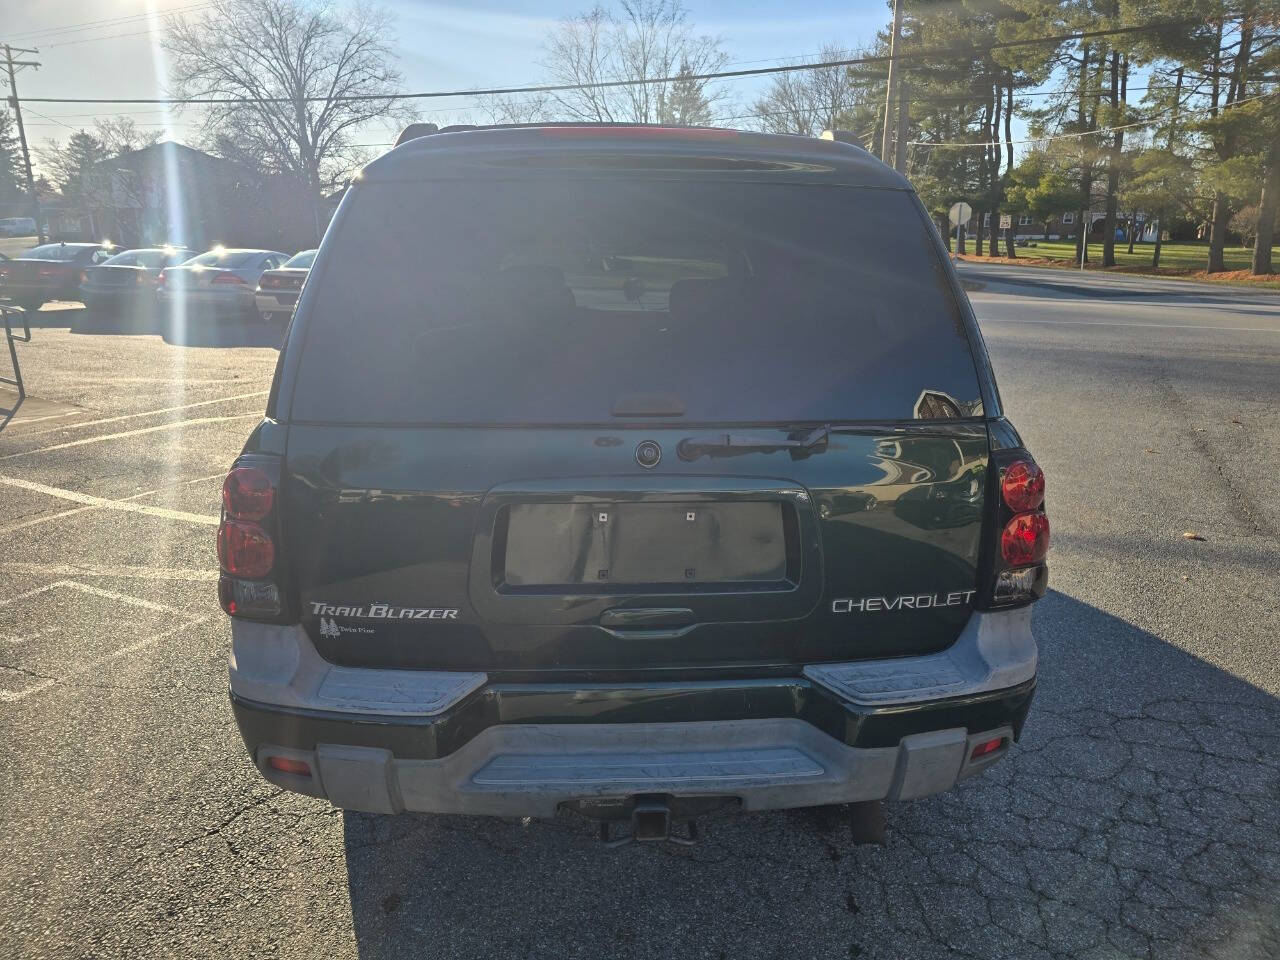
pixel 886 139
pixel 10 63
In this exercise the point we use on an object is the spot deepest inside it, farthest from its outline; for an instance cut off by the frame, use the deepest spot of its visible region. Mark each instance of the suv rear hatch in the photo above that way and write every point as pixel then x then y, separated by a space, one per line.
pixel 614 417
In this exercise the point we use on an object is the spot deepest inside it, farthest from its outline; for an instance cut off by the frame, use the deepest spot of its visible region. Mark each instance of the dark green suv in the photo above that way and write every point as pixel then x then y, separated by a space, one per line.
pixel 635 470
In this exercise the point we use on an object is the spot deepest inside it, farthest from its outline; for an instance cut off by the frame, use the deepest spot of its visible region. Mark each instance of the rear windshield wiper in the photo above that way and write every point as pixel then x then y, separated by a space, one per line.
pixel 732 444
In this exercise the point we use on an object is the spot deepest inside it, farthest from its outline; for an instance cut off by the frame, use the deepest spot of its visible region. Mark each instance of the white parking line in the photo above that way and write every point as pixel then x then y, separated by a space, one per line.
pixel 123 598
pixel 124 505
pixel 151 413
pixel 132 433
pixel 16 695
pixel 185 574
pixel 61 514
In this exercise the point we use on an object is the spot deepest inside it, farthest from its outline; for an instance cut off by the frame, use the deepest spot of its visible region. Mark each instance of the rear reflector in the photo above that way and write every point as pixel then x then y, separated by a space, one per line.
pixel 1016 584
pixel 245 549
pixel 247 494
pixel 986 747
pixel 1025 539
pixel 298 768
pixel 249 598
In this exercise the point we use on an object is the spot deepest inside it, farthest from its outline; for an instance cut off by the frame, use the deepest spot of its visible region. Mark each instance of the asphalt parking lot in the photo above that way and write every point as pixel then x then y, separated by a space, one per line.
pixel 1139 817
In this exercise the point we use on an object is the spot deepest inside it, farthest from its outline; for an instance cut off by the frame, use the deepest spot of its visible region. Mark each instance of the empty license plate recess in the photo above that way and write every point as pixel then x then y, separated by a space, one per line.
pixel 634 543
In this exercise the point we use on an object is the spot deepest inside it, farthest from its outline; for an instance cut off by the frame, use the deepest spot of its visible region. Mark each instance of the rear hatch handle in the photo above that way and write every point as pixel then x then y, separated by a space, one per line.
pixel 646 617
pixel 732 444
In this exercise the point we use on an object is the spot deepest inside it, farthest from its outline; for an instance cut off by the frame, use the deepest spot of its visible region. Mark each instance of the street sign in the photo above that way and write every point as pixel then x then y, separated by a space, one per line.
pixel 1006 221
pixel 960 213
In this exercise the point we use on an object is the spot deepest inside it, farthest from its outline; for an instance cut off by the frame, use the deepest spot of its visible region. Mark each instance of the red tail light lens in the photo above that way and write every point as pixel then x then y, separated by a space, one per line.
pixel 245 549
pixel 986 748
pixel 298 768
pixel 247 494
pixel 1025 539
pixel 1022 486
pixel 160 279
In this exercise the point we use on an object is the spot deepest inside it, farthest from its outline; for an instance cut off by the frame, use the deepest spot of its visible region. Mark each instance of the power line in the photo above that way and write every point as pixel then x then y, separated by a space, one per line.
pixel 109 36
pixel 106 22
pixel 1082 133
pixel 614 84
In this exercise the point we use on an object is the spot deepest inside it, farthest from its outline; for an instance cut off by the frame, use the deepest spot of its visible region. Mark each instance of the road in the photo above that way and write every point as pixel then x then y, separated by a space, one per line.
pixel 1139 817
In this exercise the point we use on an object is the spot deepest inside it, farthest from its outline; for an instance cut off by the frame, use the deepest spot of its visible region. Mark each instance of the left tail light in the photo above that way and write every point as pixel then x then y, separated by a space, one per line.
pixel 160 280
pixel 250 584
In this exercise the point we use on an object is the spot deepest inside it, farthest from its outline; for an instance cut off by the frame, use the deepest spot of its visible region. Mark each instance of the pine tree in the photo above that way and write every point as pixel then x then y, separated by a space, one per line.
pixel 12 175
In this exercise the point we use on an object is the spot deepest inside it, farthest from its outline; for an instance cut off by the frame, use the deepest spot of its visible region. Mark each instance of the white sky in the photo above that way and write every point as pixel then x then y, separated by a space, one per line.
pixel 441 46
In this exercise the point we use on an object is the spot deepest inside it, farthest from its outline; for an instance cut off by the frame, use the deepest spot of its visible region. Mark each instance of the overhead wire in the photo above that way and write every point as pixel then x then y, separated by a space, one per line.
pixel 948 52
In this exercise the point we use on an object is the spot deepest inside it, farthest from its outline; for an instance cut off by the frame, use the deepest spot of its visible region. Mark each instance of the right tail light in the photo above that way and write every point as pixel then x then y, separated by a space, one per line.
pixel 248 536
pixel 1021 542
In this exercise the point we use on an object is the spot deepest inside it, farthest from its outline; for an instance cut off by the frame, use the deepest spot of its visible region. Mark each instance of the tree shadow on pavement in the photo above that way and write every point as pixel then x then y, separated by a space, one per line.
pixel 1138 817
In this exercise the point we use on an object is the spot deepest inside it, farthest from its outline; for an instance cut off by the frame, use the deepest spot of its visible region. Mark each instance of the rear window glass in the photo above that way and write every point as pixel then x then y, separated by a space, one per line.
pixel 54 251
pixel 301 260
pixel 130 258
pixel 599 299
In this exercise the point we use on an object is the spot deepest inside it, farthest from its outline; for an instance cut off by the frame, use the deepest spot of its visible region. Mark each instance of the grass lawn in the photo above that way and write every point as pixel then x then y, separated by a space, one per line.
pixel 1175 255
pixel 1179 260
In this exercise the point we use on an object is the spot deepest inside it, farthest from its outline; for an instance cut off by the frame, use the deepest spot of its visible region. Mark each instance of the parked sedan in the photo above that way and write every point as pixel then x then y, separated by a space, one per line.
pixel 278 289
pixel 128 280
pixel 49 272
pixel 220 282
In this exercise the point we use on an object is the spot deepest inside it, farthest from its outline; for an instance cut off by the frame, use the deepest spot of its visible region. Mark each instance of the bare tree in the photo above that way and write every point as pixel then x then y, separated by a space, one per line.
pixel 121 135
pixel 809 101
pixel 643 39
pixel 293 67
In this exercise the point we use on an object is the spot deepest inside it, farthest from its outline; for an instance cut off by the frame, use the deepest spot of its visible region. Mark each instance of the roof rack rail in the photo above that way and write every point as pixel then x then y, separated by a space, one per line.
pixel 844 136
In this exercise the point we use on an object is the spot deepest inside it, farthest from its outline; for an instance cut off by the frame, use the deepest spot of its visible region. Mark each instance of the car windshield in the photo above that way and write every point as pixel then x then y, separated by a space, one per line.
pixel 301 260
pixel 565 301
pixel 229 259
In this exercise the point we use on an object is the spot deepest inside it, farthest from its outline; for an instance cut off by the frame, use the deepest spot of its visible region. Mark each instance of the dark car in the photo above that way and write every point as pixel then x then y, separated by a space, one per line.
pixel 278 289
pixel 577 489
pixel 127 281
pixel 49 272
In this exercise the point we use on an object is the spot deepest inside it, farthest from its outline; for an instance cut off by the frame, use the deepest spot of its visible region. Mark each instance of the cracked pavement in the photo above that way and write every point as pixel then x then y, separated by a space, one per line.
pixel 1139 816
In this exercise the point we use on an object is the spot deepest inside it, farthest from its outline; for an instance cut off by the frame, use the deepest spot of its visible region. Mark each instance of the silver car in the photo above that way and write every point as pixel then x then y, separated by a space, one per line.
pixel 219 282
pixel 277 292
